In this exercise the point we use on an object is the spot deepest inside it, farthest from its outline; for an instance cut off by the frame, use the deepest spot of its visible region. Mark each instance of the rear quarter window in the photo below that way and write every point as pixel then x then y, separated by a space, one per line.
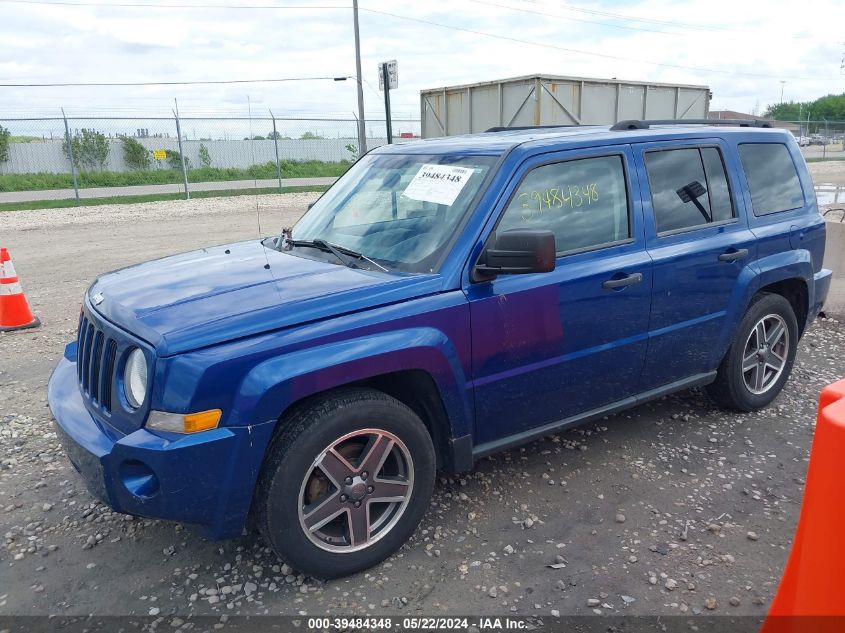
pixel 772 178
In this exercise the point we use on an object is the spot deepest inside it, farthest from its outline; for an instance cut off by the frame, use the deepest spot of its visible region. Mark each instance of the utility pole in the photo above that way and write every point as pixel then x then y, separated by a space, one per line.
pixel 388 123
pixel 181 151
pixel 782 83
pixel 69 142
pixel 362 133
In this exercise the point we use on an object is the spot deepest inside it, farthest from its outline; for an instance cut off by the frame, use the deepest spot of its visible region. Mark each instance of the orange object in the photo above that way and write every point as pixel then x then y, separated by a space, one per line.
pixel 14 309
pixel 811 595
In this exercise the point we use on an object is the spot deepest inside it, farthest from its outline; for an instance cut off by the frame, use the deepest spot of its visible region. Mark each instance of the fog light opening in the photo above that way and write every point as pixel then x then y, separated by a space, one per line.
pixel 139 479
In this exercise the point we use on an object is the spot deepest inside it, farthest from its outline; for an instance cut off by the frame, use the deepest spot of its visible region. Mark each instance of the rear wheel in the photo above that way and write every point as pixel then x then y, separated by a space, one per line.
pixel 760 359
pixel 346 483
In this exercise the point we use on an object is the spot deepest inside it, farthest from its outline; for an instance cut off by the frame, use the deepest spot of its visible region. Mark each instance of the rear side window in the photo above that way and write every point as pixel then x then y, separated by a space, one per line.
pixel 584 202
pixel 772 178
pixel 689 188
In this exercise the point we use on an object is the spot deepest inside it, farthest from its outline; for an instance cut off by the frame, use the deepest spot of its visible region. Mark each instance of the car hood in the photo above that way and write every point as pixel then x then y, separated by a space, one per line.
pixel 209 296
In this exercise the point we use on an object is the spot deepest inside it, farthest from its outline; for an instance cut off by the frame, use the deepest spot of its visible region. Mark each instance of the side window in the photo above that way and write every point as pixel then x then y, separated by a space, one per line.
pixel 717 184
pixel 689 188
pixel 584 202
pixel 772 178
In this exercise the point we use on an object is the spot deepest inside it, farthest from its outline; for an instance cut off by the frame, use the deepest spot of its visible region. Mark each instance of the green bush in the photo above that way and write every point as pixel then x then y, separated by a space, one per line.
pixel 90 149
pixel 5 137
pixel 290 169
pixel 135 155
pixel 174 159
pixel 205 157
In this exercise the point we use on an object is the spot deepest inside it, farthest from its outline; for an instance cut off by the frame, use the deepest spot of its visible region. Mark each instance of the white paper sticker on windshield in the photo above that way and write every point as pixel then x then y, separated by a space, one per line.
pixel 440 184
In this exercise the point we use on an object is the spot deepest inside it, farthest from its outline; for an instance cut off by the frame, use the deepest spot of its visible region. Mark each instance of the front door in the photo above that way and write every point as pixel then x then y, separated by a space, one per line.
pixel 549 346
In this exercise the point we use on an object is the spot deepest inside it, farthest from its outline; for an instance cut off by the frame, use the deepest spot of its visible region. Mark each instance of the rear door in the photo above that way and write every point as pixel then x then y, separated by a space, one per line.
pixel 549 346
pixel 698 237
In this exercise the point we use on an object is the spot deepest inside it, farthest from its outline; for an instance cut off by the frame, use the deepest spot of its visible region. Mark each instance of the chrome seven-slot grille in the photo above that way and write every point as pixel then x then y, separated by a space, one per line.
pixel 95 363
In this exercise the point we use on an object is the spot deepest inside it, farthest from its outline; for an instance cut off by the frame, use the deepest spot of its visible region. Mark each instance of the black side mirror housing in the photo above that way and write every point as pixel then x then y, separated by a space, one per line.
pixel 517 252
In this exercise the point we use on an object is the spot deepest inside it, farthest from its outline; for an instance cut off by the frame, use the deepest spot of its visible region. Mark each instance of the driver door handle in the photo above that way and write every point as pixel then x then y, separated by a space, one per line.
pixel 627 280
pixel 733 255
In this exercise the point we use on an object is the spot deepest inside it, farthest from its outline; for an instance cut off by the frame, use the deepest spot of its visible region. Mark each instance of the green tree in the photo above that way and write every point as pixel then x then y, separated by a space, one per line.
pixel 205 157
pixel 90 149
pixel 174 159
pixel 5 141
pixel 353 151
pixel 135 155
pixel 829 107
pixel 310 136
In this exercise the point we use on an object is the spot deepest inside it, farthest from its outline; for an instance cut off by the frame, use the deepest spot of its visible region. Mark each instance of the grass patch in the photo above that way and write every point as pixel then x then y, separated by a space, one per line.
pixel 86 179
pixel 155 197
pixel 826 159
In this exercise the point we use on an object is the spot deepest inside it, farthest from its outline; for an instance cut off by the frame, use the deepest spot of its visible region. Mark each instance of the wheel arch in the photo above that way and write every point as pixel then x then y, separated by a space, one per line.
pixel 796 291
pixel 419 368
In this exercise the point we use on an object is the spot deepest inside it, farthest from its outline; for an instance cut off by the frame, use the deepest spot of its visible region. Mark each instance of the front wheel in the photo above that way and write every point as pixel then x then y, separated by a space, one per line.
pixel 760 359
pixel 347 481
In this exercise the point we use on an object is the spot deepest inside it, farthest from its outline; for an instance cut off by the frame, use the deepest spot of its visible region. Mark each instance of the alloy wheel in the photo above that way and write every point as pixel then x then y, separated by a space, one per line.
pixel 765 354
pixel 356 490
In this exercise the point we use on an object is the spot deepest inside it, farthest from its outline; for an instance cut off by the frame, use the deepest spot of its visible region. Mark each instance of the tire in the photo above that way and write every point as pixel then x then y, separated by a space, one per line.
pixel 303 482
pixel 750 390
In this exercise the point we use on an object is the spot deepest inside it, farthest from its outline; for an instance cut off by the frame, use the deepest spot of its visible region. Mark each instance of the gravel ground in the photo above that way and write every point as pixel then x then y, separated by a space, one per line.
pixel 832 172
pixel 674 507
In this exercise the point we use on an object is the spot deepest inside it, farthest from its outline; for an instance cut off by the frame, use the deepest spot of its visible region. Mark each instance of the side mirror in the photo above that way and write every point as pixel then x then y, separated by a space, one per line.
pixel 516 252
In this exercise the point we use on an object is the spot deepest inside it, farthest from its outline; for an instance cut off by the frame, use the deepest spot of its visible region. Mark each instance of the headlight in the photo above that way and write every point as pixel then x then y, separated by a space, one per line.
pixel 135 378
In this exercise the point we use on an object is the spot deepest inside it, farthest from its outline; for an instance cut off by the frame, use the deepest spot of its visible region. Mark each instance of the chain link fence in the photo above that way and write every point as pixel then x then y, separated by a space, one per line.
pixel 56 158
pixel 819 139
pixel 120 156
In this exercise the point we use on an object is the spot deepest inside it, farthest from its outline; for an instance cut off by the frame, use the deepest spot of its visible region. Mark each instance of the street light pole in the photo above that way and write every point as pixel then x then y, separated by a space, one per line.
pixel 362 133
pixel 782 83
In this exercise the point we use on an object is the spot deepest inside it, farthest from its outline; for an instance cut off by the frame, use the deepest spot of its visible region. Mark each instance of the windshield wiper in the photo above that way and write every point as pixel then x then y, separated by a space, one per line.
pixel 337 251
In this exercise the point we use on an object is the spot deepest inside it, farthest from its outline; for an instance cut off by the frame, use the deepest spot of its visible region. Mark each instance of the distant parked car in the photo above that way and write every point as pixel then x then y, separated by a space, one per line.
pixel 818 140
pixel 444 300
pixel 803 141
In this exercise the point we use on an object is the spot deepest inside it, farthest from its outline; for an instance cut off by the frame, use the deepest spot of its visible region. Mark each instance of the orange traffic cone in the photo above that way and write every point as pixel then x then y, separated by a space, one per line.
pixel 811 595
pixel 14 309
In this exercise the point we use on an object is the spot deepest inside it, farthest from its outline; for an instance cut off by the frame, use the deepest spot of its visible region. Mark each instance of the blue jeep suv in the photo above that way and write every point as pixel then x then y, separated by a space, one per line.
pixel 444 300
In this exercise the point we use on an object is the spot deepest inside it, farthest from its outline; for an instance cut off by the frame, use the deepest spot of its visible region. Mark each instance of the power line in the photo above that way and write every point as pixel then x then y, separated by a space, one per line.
pixel 583 52
pixel 635 18
pixel 445 26
pixel 569 18
pixel 170 83
pixel 625 27
pixel 147 5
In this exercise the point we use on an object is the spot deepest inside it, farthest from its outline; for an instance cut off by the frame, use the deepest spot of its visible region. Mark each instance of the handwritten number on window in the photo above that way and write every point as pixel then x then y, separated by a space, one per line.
pixel 535 203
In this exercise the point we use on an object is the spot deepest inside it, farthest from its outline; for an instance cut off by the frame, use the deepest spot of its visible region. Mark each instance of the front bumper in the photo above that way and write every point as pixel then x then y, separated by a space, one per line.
pixel 206 478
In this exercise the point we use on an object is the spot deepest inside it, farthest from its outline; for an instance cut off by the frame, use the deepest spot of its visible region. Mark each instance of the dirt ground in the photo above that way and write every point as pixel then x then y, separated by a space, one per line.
pixel 670 508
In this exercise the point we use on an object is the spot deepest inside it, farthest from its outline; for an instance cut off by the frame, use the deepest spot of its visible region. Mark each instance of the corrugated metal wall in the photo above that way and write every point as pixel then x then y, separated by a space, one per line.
pixel 555 101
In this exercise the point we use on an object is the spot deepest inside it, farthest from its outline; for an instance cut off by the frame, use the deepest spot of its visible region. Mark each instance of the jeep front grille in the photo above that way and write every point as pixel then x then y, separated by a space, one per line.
pixel 95 363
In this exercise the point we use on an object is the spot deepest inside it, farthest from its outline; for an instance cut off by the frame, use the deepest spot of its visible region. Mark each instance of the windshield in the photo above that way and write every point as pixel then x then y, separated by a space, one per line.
pixel 398 210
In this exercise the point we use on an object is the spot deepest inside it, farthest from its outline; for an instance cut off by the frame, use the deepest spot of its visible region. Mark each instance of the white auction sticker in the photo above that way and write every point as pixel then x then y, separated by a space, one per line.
pixel 440 184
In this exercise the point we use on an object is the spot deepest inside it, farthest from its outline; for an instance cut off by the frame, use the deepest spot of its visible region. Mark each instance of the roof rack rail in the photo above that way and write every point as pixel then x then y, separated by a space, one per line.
pixel 506 128
pixel 636 124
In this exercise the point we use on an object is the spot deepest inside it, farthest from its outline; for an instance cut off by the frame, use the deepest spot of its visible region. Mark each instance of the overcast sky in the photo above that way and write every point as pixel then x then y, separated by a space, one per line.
pixel 742 50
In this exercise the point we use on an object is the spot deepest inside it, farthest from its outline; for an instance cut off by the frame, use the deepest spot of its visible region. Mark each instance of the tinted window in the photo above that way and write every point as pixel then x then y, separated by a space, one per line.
pixel 772 178
pixel 717 184
pixel 689 188
pixel 583 202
